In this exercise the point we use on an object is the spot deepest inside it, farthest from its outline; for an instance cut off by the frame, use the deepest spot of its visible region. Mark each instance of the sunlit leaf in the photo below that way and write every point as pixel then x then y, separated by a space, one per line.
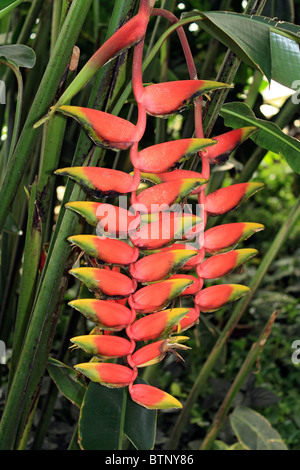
pixel 269 136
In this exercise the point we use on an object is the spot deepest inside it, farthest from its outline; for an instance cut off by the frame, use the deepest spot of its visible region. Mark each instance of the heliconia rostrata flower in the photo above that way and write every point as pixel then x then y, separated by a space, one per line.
pixel 149 262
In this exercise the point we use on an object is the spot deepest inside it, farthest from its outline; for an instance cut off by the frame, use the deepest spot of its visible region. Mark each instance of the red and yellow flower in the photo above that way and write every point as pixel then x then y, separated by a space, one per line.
pixel 144 279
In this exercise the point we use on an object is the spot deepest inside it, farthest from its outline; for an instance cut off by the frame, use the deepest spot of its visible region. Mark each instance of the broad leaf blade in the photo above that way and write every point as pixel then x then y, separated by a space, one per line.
pixel 285 59
pixel 64 378
pixel 100 424
pixel 267 45
pixel 100 418
pixel 6 6
pixel 249 42
pixel 20 55
pixel 269 136
pixel 254 432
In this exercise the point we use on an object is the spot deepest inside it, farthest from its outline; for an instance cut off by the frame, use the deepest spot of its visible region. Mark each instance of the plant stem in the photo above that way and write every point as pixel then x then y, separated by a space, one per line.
pixel 42 102
pixel 56 21
pixel 244 371
pixel 237 313
pixel 18 111
pixel 122 419
pixel 29 270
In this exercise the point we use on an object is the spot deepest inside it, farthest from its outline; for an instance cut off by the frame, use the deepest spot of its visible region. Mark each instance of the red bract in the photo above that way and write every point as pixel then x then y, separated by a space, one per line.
pixel 110 220
pixel 127 36
pixel 215 297
pixel 165 99
pixel 157 325
pixel 103 345
pixel 226 199
pixel 107 314
pixel 100 182
pixel 225 237
pixel 104 129
pixel 189 320
pixel 162 157
pixel 158 266
pixel 220 265
pixel 193 262
pixel 153 398
pixel 156 197
pixel 106 249
pixel 163 230
pixel 159 295
pixel 226 144
pixel 105 283
pixel 175 175
pixel 155 352
pixel 193 288
pixel 110 375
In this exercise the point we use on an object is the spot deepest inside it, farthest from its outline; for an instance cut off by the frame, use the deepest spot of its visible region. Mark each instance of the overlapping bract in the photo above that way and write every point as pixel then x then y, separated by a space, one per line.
pixel 161 271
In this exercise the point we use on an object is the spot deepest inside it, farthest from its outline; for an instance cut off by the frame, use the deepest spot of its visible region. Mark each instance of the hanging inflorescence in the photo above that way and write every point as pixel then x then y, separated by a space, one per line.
pixel 163 248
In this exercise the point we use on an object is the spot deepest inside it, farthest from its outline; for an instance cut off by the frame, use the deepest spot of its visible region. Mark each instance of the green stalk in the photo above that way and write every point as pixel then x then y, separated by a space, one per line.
pixel 34 354
pixel 237 314
pixel 31 16
pixel 122 419
pixel 243 373
pixel 56 21
pixel 18 111
pixel 74 441
pixel 41 194
pixel 29 274
pixel 41 104
pixel 254 89
pixel 53 136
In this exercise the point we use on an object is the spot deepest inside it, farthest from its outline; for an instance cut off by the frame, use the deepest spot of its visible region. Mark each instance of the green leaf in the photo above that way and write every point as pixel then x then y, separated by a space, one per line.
pixel 11 226
pixel 140 425
pixel 254 431
pixel 64 378
pixel 269 136
pixel 285 60
pixel 100 418
pixel 237 446
pixel 20 55
pixel 267 45
pixel 6 6
pixel 100 424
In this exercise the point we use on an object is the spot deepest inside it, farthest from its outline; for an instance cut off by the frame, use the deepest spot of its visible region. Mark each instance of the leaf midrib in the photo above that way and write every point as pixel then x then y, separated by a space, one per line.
pixel 266 129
